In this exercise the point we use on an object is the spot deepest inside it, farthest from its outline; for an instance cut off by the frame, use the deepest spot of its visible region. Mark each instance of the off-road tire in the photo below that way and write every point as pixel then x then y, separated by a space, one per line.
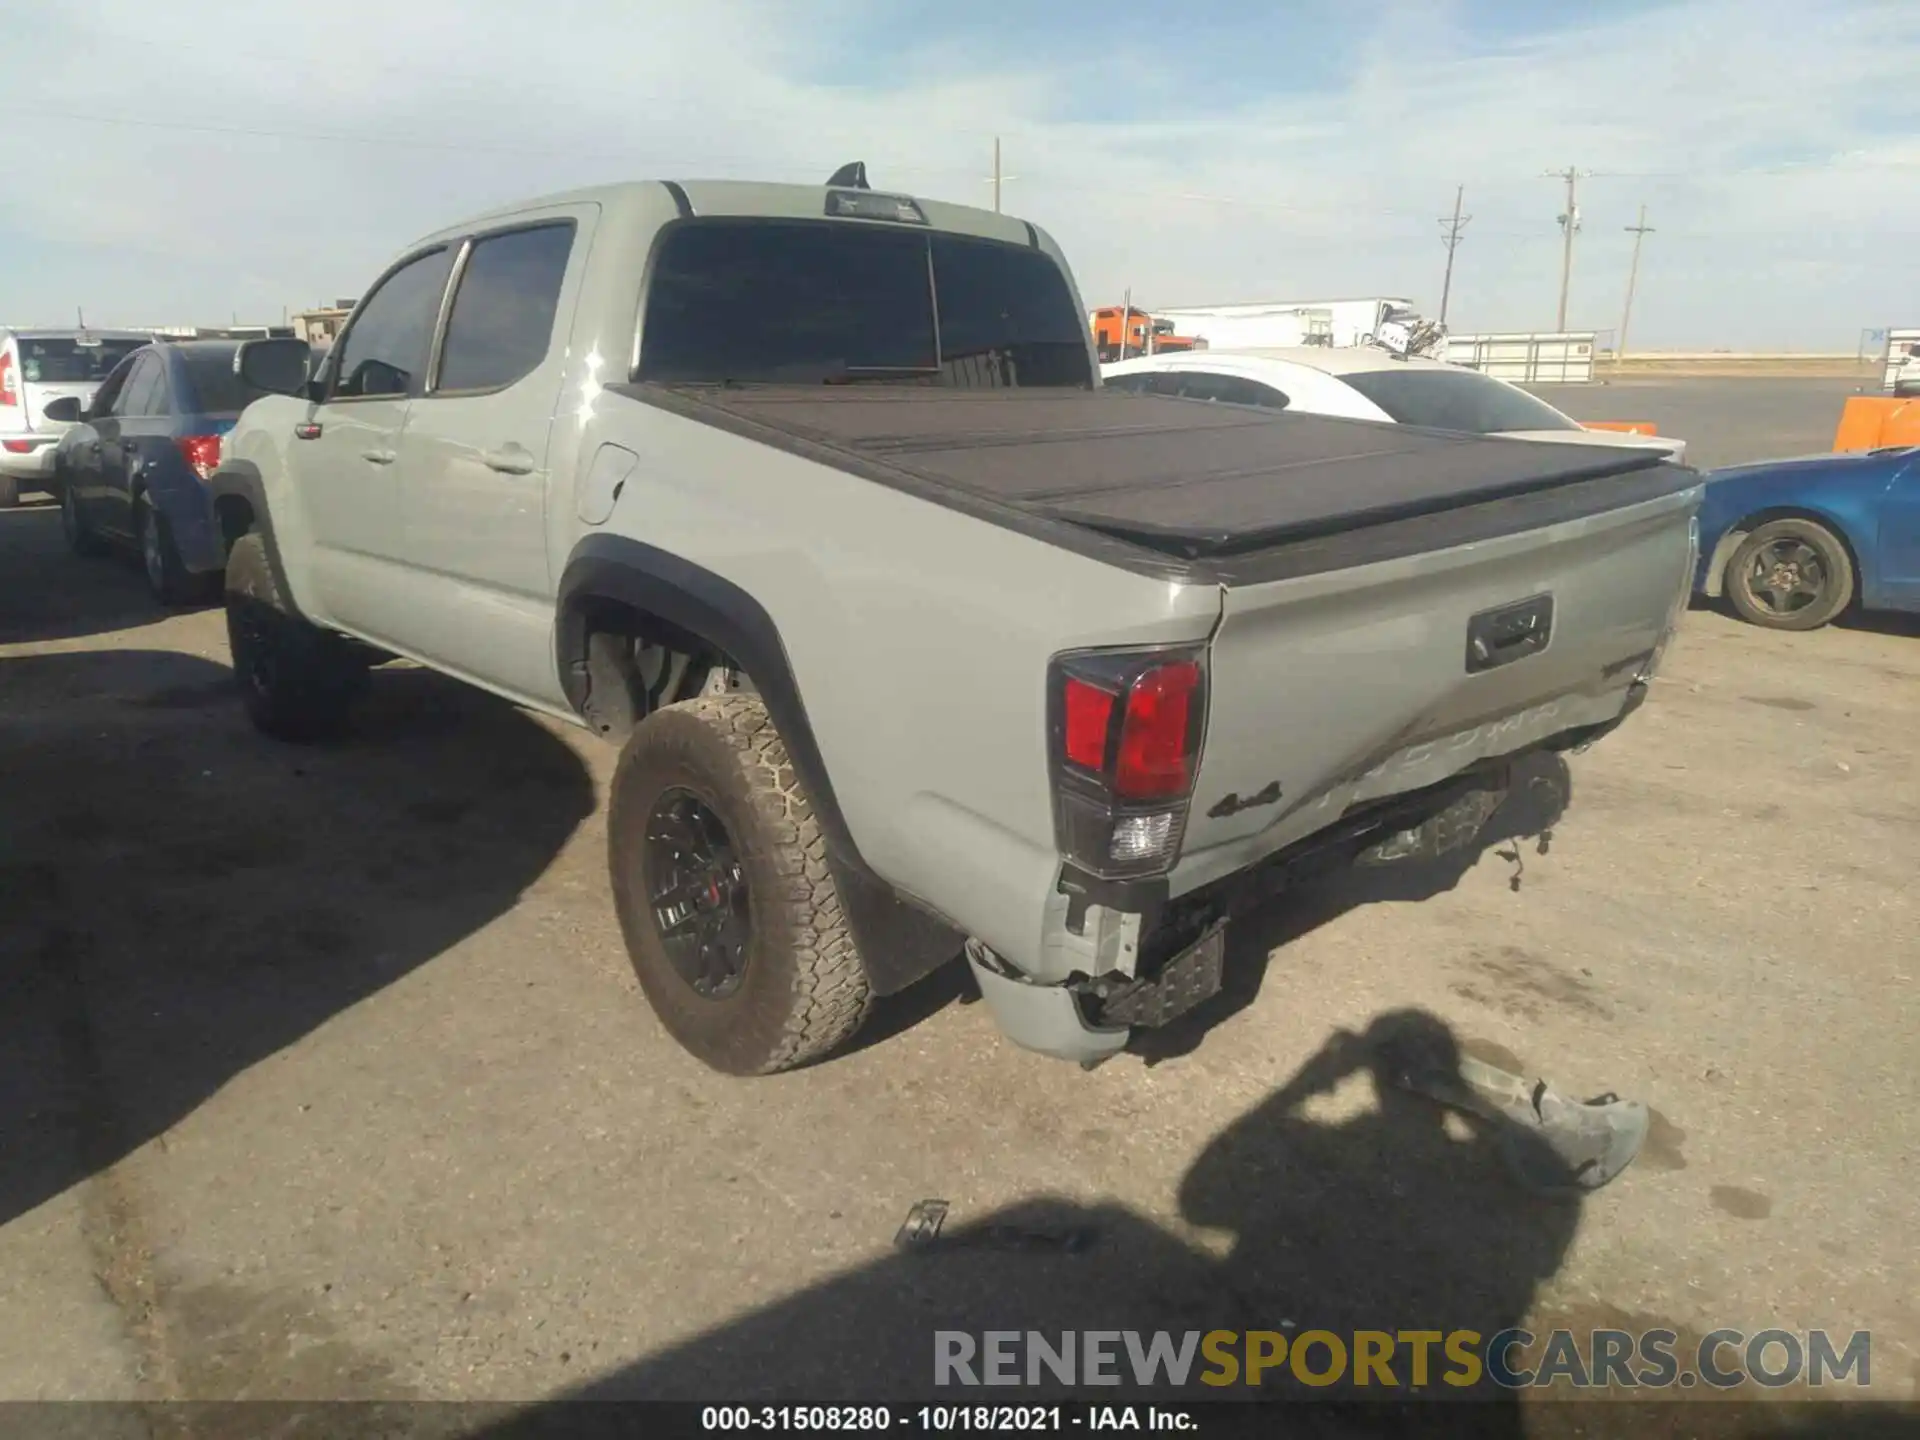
pixel 9 492
pixel 803 991
pixel 1836 593
pixel 74 528
pixel 298 681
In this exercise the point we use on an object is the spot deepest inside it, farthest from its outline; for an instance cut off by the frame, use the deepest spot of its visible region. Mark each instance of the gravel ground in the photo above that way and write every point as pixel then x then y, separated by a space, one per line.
pixel 323 1075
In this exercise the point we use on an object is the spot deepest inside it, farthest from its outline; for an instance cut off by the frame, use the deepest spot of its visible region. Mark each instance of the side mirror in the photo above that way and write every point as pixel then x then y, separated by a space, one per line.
pixel 276 366
pixel 64 411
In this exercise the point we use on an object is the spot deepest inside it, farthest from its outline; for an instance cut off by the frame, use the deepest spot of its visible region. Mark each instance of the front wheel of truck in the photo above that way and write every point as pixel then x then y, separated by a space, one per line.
pixel 298 680
pixel 730 913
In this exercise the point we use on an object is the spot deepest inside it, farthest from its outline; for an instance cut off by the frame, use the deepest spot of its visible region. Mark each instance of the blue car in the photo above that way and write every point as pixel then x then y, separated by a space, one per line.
pixel 131 472
pixel 1792 544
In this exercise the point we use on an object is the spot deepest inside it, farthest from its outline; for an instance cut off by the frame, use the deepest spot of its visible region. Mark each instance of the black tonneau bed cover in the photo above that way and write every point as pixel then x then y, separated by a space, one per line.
pixel 1186 478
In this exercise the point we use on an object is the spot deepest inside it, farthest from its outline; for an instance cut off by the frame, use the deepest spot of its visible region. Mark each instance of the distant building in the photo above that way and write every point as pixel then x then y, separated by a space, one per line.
pixel 216 332
pixel 320 326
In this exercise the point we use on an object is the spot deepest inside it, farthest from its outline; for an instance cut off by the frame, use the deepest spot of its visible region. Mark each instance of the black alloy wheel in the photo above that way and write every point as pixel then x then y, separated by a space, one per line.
pixel 697 889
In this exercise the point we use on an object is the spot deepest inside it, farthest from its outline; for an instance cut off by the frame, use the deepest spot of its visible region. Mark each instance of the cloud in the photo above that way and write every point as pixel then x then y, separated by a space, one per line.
pixel 172 164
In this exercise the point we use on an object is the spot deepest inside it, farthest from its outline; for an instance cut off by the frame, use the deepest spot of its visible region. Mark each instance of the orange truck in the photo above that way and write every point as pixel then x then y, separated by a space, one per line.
pixel 1139 334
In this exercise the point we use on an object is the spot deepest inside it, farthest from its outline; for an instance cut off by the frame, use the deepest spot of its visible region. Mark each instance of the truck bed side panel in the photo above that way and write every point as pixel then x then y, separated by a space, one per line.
pixel 919 640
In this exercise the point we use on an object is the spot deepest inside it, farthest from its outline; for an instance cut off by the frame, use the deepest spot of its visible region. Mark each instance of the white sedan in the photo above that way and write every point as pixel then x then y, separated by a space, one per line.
pixel 1363 382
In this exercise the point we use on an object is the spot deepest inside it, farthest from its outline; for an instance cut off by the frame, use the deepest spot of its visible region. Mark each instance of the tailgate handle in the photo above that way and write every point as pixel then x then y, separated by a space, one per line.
pixel 1513 632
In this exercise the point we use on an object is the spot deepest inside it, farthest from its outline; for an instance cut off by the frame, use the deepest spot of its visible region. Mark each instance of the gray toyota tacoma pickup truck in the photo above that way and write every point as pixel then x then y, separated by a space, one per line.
pixel 915 640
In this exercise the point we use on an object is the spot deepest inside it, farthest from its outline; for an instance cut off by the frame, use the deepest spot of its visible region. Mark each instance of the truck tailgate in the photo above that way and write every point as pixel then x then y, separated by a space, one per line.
pixel 1348 686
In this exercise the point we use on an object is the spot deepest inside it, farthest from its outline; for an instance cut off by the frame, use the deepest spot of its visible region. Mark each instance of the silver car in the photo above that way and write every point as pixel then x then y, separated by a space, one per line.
pixel 38 367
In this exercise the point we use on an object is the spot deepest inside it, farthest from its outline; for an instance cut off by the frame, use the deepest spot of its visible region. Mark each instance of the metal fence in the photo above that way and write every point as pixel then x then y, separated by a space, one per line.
pixel 1900 344
pixel 1539 358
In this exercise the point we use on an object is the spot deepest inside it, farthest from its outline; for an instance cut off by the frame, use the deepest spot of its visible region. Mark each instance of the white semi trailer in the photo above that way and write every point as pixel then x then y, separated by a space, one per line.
pixel 1277 323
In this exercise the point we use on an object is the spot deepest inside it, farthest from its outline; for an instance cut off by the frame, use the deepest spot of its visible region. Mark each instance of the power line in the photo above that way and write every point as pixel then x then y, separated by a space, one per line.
pixel 1639 232
pixel 1450 233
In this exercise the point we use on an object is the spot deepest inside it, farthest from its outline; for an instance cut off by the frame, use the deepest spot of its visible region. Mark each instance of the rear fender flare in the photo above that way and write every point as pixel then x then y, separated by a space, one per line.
pixel 900 941
pixel 703 604
pixel 239 483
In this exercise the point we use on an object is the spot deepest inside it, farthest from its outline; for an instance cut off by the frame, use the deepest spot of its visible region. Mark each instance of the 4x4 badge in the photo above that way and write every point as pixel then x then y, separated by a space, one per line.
pixel 1231 804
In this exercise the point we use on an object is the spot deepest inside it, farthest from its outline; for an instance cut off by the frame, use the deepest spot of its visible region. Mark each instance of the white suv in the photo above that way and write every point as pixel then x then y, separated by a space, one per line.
pixel 38 367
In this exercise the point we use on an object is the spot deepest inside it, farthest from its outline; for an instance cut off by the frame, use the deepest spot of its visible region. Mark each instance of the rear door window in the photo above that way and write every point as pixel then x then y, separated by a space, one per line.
pixel 501 325
pixel 106 400
pixel 1229 390
pixel 138 392
pixel 158 398
pixel 385 350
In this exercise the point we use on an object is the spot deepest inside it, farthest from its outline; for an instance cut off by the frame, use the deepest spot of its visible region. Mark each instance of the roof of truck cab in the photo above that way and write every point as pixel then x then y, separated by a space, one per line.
pixel 747 198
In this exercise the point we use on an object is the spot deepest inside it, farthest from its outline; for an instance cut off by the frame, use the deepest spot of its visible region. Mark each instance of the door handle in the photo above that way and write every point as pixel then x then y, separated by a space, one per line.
pixel 378 457
pixel 508 462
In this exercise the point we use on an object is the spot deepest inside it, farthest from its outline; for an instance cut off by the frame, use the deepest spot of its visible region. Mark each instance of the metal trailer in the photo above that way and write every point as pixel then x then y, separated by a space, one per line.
pixel 1900 345
pixel 1274 324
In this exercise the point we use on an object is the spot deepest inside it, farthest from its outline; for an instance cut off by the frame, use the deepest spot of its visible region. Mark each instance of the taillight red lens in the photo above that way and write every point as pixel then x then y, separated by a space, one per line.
pixel 9 382
pixel 202 452
pixel 1089 717
pixel 1155 759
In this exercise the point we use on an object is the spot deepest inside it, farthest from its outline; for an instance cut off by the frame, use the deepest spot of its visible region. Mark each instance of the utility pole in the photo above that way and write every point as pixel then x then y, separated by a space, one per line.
pixel 1450 232
pixel 997 176
pixel 1569 222
pixel 1638 232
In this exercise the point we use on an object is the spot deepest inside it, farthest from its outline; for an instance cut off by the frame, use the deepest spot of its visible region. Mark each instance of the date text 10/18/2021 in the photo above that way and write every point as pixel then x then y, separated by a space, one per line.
pixel 945 1419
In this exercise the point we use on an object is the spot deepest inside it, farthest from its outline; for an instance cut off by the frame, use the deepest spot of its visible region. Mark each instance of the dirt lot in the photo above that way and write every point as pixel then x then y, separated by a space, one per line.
pixel 322 1073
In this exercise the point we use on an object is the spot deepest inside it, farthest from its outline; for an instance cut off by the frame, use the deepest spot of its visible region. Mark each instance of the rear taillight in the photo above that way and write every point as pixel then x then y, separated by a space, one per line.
pixel 9 380
pixel 1126 729
pixel 202 452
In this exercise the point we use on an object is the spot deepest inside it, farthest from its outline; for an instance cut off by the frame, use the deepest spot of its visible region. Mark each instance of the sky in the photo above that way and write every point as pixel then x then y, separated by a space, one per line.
pixel 198 161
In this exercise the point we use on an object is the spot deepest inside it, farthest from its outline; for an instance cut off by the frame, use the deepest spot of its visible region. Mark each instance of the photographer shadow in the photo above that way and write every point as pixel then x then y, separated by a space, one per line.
pixel 1396 1218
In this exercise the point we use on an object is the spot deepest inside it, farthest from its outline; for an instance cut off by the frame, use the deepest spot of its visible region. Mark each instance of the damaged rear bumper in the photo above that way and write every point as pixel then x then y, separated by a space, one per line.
pixel 1152 961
